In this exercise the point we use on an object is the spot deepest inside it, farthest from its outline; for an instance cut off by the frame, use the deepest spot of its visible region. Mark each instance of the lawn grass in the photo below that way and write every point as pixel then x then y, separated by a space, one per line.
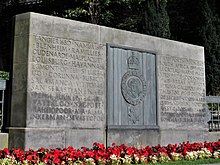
pixel 190 162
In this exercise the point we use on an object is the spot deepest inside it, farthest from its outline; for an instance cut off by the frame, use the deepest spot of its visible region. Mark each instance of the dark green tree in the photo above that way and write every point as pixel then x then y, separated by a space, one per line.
pixel 143 16
pixel 92 11
pixel 184 18
pixel 208 33
pixel 197 22
pixel 128 15
pixel 156 19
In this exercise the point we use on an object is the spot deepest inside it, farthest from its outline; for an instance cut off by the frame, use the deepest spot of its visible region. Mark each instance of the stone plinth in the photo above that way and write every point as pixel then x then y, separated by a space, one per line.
pixel 3 140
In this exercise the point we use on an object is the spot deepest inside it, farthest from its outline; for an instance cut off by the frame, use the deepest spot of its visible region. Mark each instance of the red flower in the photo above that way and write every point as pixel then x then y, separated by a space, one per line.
pixel 6 151
pixel 45 160
pixel 29 158
pixel 113 145
pixel 146 154
pixel 89 154
pixel 210 149
pixel 56 161
pixel 184 152
pixel 129 151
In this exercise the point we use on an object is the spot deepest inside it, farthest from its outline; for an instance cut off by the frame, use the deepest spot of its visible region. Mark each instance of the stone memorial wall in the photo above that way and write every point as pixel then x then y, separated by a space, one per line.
pixel 76 83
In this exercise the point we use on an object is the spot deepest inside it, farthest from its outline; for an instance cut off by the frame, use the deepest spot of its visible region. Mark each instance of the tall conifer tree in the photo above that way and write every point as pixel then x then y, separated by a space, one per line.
pixel 208 31
pixel 197 22
pixel 156 18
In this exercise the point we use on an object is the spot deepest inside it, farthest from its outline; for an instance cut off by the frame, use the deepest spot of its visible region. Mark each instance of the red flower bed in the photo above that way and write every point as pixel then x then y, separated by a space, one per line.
pixel 122 154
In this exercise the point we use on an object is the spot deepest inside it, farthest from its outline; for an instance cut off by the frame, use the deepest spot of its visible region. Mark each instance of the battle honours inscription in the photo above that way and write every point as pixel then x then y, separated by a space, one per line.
pixel 182 91
pixel 66 81
pixel 76 83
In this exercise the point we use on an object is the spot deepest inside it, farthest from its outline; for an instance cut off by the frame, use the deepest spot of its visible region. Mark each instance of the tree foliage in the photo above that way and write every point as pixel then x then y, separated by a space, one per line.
pixel 156 18
pixel 197 22
pixel 143 16
pixel 191 21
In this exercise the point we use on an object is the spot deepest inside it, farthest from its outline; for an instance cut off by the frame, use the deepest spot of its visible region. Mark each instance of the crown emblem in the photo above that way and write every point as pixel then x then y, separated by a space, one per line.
pixel 133 62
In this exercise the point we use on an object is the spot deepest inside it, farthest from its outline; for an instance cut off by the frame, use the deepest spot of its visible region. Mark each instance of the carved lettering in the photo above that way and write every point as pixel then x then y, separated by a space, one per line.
pixel 67 80
pixel 182 90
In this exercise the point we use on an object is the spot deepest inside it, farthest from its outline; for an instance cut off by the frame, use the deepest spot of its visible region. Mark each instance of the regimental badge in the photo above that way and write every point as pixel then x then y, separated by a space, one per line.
pixel 133 85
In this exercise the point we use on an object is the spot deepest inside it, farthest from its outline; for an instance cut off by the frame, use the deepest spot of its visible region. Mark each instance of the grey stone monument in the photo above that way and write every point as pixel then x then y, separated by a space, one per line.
pixel 76 83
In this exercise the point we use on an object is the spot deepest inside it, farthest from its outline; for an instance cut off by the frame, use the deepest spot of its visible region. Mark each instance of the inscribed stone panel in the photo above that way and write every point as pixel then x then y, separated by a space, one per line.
pixel 182 92
pixel 66 82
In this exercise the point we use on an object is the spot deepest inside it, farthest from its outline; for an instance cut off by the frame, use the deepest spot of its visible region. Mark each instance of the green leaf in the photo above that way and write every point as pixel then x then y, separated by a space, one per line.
pixel 4 75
